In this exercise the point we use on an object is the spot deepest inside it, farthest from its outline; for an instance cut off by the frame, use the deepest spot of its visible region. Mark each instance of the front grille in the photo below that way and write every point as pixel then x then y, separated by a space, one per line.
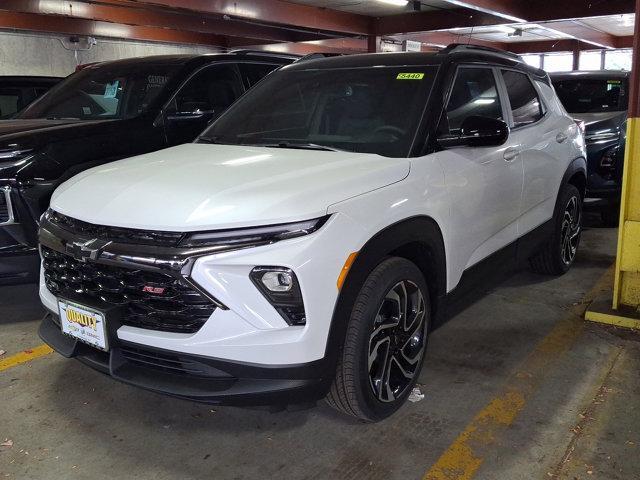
pixel 5 212
pixel 115 234
pixel 178 308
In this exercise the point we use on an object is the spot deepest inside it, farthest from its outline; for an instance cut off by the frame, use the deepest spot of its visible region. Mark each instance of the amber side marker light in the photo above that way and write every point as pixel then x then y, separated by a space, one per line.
pixel 345 269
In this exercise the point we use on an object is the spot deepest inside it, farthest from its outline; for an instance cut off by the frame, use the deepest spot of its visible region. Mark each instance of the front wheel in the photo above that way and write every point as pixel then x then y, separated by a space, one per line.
pixel 559 253
pixel 385 342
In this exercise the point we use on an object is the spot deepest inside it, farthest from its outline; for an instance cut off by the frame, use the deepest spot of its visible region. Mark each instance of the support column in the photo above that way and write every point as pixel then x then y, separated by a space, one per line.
pixel 576 58
pixel 625 308
pixel 373 44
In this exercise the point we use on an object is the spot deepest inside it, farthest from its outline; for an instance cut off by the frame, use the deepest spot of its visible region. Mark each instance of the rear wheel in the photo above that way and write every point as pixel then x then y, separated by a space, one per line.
pixel 558 254
pixel 385 342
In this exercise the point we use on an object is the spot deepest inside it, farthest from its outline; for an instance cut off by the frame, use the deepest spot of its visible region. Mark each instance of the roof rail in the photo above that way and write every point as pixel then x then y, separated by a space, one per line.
pixel 313 56
pixel 464 46
pixel 243 51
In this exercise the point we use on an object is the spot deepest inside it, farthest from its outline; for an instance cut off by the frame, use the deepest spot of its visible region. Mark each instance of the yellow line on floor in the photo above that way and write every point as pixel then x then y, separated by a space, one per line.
pixel 24 356
pixel 465 455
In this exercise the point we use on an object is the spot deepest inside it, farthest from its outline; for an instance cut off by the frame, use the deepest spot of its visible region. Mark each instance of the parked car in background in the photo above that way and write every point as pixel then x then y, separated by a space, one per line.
pixel 102 113
pixel 600 99
pixel 16 92
pixel 306 244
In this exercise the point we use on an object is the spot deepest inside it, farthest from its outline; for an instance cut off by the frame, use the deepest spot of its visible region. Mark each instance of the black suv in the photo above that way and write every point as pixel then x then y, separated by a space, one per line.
pixel 102 113
pixel 16 92
pixel 600 100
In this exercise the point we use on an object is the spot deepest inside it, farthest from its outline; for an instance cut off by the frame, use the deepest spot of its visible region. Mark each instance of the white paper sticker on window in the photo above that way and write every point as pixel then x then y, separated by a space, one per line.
pixel 111 89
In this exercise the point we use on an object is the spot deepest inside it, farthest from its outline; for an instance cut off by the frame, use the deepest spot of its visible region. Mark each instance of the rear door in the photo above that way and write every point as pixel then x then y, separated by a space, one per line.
pixel 542 139
pixel 485 183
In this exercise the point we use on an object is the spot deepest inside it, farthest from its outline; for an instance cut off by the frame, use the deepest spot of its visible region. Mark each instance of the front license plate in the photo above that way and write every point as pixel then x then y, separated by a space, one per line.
pixel 83 323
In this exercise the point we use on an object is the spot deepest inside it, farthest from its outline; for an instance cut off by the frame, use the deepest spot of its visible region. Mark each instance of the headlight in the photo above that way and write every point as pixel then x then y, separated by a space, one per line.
pixel 252 236
pixel 280 286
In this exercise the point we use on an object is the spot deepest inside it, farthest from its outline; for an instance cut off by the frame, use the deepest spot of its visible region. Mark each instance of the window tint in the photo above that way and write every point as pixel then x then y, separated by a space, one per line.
pixel 592 95
pixel 474 93
pixel 103 91
pixel 525 104
pixel 211 90
pixel 372 110
pixel 254 72
pixel 10 101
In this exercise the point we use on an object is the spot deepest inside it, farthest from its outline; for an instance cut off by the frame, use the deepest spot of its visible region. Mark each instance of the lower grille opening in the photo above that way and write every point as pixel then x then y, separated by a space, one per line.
pixel 150 300
pixel 5 214
pixel 169 363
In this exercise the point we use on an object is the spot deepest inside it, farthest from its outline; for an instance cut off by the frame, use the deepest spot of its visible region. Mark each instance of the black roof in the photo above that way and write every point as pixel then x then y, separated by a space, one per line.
pixel 458 52
pixel 29 78
pixel 595 74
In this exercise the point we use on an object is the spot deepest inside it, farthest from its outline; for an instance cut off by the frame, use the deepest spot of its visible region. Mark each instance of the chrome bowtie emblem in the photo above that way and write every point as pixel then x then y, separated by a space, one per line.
pixel 89 250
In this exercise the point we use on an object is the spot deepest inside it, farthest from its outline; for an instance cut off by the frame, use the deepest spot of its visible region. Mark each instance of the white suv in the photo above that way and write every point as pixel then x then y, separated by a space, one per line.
pixel 308 242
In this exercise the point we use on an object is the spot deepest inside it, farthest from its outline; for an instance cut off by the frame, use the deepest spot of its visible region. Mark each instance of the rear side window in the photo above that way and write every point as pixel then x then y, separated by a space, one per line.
pixel 10 101
pixel 526 107
pixel 254 72
pixel 474 92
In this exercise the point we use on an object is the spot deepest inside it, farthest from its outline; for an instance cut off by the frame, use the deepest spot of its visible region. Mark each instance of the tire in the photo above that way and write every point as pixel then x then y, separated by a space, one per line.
pixel 558 253
pixel 610 215
pixel 359 387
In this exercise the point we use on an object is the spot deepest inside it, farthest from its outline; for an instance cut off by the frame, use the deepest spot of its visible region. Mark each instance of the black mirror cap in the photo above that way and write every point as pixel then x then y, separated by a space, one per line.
pixel 477 131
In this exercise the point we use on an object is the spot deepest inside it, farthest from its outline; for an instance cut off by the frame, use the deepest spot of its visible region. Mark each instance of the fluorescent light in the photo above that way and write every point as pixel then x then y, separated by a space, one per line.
pixel 397 3
pixel 506 29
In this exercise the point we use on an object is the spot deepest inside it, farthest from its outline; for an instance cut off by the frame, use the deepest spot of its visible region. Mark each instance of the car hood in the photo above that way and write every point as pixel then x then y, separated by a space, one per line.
pixel 600 120
pixel 204 187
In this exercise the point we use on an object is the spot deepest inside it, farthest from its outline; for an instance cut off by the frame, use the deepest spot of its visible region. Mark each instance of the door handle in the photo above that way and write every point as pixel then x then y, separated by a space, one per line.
pixel 561 137
pixel 510 154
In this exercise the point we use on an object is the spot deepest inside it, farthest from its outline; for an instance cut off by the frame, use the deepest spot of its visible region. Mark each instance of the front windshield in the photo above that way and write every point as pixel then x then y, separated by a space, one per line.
pixel 104 91
pixel 369 110
pixel 591 95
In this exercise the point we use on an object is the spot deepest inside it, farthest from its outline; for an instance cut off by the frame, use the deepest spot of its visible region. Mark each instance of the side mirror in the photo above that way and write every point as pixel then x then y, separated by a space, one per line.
pixel 477 131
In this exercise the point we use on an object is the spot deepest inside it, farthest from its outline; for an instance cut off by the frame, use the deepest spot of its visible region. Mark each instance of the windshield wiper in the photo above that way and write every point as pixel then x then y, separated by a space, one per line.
pixel 53 117
pixel 300 145
pixel 215 140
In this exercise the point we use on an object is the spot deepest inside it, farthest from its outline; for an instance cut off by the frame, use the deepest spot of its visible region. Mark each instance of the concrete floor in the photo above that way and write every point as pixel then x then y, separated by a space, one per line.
pixel 517 386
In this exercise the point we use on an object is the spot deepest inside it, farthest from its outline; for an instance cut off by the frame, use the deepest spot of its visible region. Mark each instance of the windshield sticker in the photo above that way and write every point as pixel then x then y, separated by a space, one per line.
pixel 410 76
pixel 156 81
pixel 111 89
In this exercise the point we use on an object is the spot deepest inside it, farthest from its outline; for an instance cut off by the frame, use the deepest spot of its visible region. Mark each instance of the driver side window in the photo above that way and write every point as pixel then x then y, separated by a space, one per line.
pixel 474 92
pixel 210 91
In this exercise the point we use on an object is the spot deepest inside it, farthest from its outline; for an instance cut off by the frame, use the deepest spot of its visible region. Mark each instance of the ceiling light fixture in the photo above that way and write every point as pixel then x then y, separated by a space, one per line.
pixel 506 29
pixel 397 3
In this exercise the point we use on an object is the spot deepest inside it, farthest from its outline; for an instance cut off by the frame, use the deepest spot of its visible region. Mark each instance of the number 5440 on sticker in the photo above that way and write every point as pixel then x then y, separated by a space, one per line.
pixel 410 76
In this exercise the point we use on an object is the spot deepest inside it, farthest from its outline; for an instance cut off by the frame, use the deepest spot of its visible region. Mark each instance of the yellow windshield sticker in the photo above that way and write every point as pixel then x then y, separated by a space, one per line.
pixel 410 76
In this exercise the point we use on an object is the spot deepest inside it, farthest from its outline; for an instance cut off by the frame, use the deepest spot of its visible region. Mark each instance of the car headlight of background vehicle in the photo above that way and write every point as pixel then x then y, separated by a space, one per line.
pixel 252 236
pixel 280 287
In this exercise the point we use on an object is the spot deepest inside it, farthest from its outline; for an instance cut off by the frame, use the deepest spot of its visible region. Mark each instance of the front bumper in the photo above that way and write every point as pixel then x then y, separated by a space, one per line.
pixel 249 330
pixel 18 263
pixel 194 377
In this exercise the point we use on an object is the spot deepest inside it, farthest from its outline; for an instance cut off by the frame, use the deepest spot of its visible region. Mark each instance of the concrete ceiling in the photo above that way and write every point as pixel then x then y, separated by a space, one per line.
pixel 305 26
pixel 374 8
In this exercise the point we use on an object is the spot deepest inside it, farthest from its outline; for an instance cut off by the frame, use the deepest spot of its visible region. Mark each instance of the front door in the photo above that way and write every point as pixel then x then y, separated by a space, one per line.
pixel 205 95
pixel 484 183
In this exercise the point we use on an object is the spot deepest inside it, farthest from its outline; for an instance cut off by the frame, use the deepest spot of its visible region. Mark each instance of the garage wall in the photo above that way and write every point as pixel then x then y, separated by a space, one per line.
pixel 24 54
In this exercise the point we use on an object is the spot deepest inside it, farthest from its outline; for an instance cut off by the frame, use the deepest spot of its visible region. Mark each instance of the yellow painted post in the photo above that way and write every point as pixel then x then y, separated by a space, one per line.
pixel 625 310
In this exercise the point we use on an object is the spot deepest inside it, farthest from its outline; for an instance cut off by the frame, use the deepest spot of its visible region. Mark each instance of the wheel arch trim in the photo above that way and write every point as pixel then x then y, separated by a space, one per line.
pixel 417 230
